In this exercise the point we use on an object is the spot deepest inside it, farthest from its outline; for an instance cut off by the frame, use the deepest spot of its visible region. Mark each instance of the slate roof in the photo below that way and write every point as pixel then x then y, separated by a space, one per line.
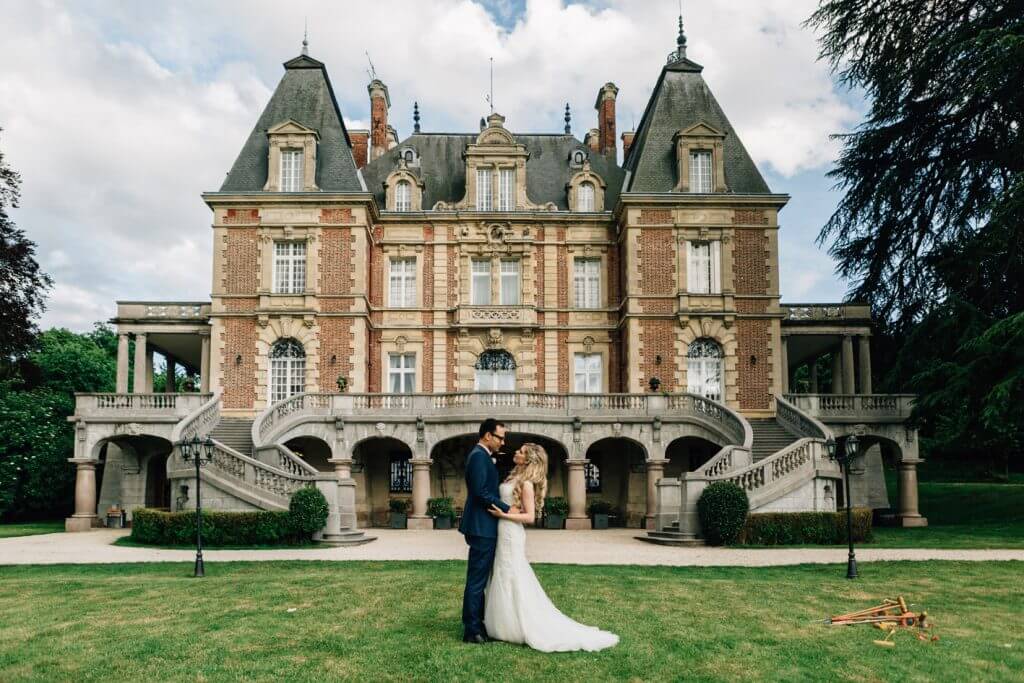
pixel 682 99
pixel 304 95
pixel 443 170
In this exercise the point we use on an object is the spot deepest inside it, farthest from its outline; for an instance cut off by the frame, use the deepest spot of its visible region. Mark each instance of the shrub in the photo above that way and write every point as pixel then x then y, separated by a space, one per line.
pixel 441 507
pixel 722 508
pixel 556 506
pixel 308 510
pixel 219 528
pixel 398 505
pixel 812 528
pixel 599 507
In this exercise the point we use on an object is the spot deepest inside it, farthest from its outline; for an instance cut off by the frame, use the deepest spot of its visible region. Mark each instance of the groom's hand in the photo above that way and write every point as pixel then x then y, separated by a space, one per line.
pixel 497 512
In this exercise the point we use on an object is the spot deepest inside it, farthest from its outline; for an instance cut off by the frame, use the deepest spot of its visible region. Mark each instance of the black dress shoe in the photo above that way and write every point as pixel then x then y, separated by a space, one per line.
pixel 477 639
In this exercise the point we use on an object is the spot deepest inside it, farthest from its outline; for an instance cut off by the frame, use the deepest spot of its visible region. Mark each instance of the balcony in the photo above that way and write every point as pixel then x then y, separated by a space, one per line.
pixel 855 407
pixel 137 407
pixel 825 313
pixel 497 316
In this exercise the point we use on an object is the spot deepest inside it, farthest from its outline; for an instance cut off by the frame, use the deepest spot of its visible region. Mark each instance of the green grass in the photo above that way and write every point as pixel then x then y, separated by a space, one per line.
pixel 31 528
pixel 400 621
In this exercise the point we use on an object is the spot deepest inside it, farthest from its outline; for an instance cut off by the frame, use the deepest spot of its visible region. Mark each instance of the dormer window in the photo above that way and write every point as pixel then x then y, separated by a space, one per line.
pixel 700 154
pixel 578 157
pixel 403 196
pixel 292 170
pixel 586 190
pixel 586 196
pixel 700 172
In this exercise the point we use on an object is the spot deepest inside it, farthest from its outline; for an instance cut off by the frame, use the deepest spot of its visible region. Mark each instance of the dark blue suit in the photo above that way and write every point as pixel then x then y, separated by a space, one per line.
pixel 481 531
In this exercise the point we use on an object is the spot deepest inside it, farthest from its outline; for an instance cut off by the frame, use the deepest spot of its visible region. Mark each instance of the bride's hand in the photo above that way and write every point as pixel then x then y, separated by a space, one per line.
pixel 497 511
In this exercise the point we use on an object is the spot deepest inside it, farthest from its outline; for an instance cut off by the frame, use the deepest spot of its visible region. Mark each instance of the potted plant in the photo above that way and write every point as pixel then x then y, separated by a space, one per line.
pixel 399 508
pixel 599 510
pixel 342 383
pixel 654 383
pixel 555 510
pixel 442 511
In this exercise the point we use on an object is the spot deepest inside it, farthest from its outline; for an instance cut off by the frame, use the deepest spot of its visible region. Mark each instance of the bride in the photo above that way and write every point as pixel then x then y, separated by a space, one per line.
pixel 517 610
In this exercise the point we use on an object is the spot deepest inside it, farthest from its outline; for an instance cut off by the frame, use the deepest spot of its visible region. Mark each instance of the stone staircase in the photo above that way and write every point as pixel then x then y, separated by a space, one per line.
pixel 769 437
pixel 670 535
pixel 235 433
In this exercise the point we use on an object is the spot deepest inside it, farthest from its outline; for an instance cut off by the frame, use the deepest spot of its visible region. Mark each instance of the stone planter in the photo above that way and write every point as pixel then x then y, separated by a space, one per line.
pixel 600 521
pixel 442 522
pixel 554 521
pixel 399 520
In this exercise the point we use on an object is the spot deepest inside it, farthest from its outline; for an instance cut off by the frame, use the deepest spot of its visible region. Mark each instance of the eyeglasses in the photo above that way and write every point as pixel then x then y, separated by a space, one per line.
pixel 499 438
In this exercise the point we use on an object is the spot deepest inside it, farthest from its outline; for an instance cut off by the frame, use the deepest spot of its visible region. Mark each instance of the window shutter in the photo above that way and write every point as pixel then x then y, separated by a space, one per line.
pixel 716 267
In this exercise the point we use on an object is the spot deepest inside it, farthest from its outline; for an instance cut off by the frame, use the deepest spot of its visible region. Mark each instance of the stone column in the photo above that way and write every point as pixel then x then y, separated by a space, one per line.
pixel 784 365
pixel 847 355
pixel 420 493
pixel 204 365
pixel 84 517
pixel 170 386
pixel 655 471
pixel 122 363
pixel 864 346
pixel 909 515
pixel 577 495
pixel 139 383
pixel 837 373
pixel 813 367
pixel 148 388
pixel 346 493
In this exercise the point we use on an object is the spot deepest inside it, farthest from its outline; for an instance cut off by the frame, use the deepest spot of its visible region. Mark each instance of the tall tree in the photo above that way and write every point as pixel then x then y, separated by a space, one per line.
pixel 932 217
pixel 23 285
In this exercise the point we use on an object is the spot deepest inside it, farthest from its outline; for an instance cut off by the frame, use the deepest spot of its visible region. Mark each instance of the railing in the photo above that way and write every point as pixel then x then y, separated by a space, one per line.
pixel 141 405
pixel 199 423
pixel 825 312
pixel 726 460
pixel 799 422
pixel 510 403
pixel 759 479
pixel 254 473
pixel 861 407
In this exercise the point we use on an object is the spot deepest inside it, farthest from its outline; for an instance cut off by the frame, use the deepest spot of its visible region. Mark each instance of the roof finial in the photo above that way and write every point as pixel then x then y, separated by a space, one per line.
pixel 681 39
pixel 568 118
pixel 416 117
pixel 305 38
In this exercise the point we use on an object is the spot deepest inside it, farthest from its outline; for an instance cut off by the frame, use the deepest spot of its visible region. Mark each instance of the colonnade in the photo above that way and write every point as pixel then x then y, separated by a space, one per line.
pixel 848 376
pixel 143 365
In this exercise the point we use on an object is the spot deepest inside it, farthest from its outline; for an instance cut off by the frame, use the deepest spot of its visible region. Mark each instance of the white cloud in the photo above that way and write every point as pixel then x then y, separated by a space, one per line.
pixel 119 114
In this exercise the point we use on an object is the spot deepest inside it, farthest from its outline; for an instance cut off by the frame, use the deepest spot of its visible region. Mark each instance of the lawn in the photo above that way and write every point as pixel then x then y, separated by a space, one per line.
pixel 400 621
pixel 31 528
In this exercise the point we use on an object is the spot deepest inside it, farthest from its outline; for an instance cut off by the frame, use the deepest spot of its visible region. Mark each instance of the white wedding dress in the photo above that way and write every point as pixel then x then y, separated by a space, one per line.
pixel 516 608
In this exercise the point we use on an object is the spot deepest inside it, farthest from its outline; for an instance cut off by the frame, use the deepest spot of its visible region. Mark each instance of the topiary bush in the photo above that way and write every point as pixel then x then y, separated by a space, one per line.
pixel 811 528
pixel 308 510
pixel 157 527
pixel 722 509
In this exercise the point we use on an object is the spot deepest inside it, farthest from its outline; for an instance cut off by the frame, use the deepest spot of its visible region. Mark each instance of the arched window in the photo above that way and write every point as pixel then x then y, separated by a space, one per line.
pixel 287 370
pixel 410 156
pixel 585 197
pixel 495 371
pixel 704 368
pixel 403 196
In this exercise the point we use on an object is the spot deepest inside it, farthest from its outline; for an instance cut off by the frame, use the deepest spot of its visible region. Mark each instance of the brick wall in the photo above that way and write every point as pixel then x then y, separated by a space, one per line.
pixel 563 360
pixel 752 339
pixel 239 339
pixel 241 305
pixel 376 317
pixel 428 303
pixel 453 360
pixel 337 261
pixel 360 146
pixel 241 261
pixel 563 317
pixel 658 338
pixel 750 262
pixel 378 124
pixel 538 349
pixel 452 253
pixel 655 216
pixel 335 340
pixel 606 126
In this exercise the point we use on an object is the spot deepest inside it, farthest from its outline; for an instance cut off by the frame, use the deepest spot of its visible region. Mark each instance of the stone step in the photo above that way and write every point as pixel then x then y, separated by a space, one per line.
pixel 670 539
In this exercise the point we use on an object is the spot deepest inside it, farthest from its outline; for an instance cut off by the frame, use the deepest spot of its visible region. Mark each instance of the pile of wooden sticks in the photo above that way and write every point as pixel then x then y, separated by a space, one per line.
pixel 894 611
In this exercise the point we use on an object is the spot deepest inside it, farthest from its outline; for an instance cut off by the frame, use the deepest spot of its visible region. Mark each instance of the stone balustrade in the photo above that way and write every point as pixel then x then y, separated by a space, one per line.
pixel 826 312
pixel 137 406
pixel 497 316
pixel 854 407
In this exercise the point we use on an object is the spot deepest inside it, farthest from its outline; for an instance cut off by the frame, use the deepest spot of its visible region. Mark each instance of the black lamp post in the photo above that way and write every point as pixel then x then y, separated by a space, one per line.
pixel 200 451
pixel 844 456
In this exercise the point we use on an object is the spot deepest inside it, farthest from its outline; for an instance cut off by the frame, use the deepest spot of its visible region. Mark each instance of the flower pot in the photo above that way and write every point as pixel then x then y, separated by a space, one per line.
pixel 600 521
pixel 554 521
pixel 399 520
pixel 442 522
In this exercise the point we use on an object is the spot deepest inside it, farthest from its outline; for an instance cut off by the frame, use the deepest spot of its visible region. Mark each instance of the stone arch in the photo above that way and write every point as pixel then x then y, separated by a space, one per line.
pixel 303 330
pixel 372 459
pixel 725 335
pixel 416 186
pixel 687 453
pixel 133 472
pixel 621 462
pixel 315 451
pixel 586 175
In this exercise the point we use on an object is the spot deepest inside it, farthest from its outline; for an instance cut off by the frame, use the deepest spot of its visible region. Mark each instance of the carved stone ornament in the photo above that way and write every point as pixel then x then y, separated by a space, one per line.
pixel 588 343
pixel 400 342
pixel 263 320
pixel 379 427
pixel 494 338
pixel 128 429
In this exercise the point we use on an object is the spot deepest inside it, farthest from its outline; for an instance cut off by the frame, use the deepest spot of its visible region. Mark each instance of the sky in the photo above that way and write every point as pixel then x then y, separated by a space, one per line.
pixel 119 115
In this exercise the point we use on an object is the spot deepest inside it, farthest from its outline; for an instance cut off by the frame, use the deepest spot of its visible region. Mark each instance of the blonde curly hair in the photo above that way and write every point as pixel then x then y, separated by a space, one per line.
pixel 535 471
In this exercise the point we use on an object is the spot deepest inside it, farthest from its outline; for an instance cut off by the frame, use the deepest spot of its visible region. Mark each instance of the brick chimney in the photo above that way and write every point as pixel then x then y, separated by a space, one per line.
pixel 593 140
pixel 627 142
pixel 380 102
pixel 605 106
pixel 360 145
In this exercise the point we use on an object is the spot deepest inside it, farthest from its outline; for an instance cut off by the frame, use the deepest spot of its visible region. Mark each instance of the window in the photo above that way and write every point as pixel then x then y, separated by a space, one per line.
pixel 287 370
pixel 507 189
pixel 401 474
pixel 403 196
pixel 700 172
pixel 484 193
pixel 402 373
pixel 409 156
pixel 291 170
pixel 289 267
pixel 587 282
pixel 704 368
pixel 402 278
pixel 702 267
pixel 588 373
pixel 495 371
pixel 585 197
pixel 481 283
pixel 510 282
pixel 592 474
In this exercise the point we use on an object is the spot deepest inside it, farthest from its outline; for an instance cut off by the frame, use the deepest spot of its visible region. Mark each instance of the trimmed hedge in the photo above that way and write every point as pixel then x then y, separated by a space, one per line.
pixel 157 527
pixel 799 528
pixel 722 508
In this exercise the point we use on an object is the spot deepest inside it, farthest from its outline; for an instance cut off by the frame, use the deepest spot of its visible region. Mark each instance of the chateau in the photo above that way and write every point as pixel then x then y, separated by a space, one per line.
pixel 375 296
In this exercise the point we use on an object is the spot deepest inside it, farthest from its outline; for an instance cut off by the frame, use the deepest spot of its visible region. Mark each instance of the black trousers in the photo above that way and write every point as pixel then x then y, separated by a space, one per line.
pixel 478 571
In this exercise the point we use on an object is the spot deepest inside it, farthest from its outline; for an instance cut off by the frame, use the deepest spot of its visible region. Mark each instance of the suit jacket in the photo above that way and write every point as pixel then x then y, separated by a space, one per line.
pixel 481 493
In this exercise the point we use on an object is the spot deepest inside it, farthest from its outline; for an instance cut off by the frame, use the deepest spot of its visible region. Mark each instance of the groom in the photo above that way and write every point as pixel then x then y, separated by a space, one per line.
pixel 479 527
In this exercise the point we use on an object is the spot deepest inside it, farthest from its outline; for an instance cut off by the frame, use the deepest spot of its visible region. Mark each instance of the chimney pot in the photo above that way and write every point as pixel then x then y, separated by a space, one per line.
pixel 627 142
pixel 593 140
pixel 380 102
pixel 360 146
pixel 605 106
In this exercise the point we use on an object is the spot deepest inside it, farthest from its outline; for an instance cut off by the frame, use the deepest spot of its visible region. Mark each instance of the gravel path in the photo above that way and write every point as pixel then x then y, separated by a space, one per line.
pixel 614 546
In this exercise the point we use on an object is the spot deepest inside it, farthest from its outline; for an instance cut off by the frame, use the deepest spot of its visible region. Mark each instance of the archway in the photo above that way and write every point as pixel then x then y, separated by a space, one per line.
pixel 313 450
pixel 381 470
pixel 617 474
pixel 688 453
pixel 132 473
pixel 874 477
